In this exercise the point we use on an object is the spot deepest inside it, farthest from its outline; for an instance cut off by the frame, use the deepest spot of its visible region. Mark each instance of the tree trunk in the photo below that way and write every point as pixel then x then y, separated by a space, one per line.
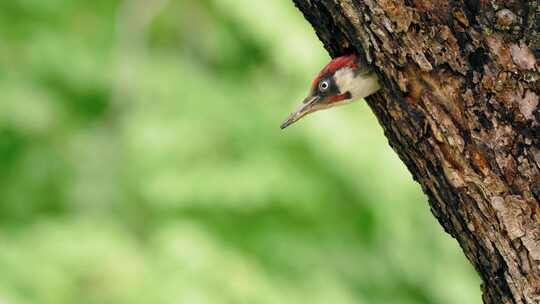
pixel 459 105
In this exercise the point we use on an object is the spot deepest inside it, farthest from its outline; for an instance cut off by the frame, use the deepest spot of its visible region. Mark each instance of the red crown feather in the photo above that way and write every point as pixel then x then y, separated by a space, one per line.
pixel 334 65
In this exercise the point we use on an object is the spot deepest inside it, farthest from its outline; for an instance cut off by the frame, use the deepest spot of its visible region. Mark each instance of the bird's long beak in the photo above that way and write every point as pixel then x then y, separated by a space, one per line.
pixel 304 109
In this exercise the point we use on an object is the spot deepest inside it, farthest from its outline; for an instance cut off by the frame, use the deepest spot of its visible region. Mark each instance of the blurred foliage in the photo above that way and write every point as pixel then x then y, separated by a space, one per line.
pixel 141 162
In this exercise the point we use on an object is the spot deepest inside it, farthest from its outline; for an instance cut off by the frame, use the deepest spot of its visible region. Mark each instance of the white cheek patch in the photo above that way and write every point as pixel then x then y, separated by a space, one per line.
pixel 359 86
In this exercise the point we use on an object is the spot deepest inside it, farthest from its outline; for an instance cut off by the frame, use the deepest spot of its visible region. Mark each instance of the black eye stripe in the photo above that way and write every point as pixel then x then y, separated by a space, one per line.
pixel 327 87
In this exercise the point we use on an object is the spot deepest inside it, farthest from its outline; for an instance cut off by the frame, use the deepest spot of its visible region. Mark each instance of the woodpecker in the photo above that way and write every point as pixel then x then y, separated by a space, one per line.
pixel 340 82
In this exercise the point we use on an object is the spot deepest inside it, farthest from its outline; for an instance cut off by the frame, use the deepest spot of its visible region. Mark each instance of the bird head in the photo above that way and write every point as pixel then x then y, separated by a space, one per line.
pixel 341 81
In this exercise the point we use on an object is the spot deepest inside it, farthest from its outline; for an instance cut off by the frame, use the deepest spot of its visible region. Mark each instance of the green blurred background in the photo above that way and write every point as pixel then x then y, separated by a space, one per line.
pixel 141 162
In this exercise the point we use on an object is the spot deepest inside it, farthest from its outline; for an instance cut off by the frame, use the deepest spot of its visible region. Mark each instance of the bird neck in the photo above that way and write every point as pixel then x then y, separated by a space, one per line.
pixel 359 85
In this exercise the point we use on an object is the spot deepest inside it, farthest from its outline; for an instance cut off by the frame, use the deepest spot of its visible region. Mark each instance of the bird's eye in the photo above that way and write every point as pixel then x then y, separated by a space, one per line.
pixel 323 86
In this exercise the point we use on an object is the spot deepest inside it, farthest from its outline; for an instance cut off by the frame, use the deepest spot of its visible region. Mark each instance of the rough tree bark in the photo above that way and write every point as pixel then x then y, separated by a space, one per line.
pixel 459 105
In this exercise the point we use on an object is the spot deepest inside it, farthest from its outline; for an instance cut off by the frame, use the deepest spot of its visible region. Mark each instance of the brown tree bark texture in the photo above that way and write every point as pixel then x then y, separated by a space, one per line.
pixel 460 106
